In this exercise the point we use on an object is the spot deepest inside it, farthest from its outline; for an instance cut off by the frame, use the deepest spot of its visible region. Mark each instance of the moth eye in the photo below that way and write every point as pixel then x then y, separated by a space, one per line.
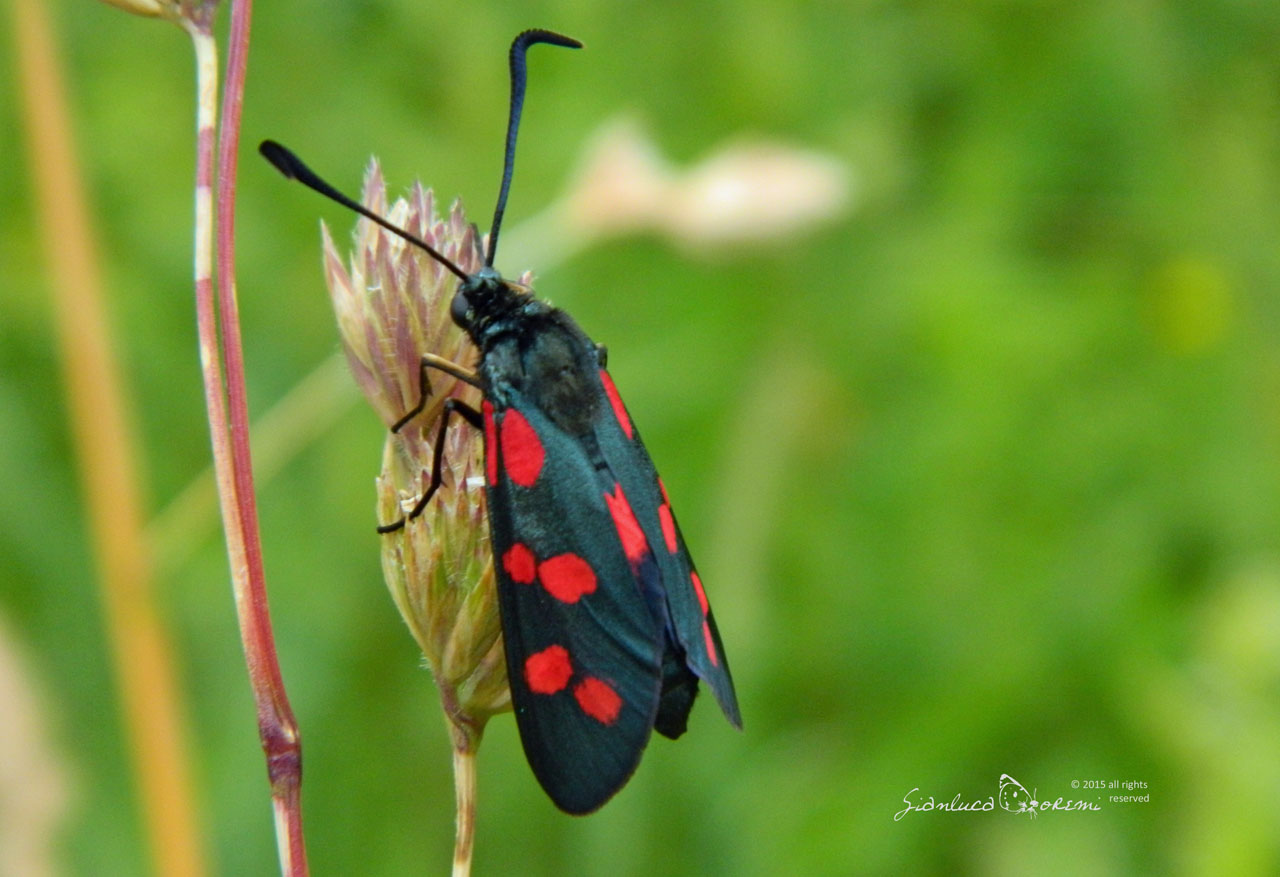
pixel 460 310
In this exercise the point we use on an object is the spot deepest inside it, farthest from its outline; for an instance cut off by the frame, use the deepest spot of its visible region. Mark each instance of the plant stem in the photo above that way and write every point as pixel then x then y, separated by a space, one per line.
pixel 228 424
pixel 102 431
pixel 464 783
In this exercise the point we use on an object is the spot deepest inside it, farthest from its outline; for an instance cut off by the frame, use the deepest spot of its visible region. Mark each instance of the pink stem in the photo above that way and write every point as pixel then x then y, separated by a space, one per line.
pixel 277 727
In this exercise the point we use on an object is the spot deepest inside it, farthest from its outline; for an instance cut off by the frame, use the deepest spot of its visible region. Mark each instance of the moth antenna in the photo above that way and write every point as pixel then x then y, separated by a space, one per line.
pixel 519 47
pixel 292 167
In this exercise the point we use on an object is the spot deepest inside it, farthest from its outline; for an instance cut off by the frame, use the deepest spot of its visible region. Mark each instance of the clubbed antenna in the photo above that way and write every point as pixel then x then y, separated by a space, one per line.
pixel 519 47
pixel 292 167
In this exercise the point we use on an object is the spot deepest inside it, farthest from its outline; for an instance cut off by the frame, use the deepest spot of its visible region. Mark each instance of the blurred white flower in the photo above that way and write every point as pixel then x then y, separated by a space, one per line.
pixel 33 786
pixel 148 8
pixel 747 192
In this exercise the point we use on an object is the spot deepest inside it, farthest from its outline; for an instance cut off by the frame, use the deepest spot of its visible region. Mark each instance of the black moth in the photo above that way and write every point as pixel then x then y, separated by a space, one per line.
pixel 606 625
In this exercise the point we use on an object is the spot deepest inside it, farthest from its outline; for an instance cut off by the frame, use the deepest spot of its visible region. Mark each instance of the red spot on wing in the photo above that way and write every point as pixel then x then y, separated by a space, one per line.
pixel 629 533
pixel 490 444
pixel 522 453
pixel 567 577
pixel 706 626
pixel 668 528
pixel 702 595
pixel 711 644
pixel 520 564
pixel 667 521
pixel 619 410
pixel 598 700
pixel 548 671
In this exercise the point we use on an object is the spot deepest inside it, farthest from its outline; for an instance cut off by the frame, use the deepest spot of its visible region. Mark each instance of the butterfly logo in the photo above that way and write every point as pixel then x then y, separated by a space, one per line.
pixel 1015 798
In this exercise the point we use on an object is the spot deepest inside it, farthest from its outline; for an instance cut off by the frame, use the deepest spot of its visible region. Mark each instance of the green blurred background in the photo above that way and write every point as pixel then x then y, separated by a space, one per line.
pixel 983 478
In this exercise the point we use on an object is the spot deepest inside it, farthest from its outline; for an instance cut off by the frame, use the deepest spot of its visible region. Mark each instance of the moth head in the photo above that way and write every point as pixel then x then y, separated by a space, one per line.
pixel 460 308
pixel 486 296
pixel 479 295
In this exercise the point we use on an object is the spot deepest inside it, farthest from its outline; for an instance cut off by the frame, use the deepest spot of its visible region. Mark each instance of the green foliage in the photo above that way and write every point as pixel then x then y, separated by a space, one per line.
pixel 983 479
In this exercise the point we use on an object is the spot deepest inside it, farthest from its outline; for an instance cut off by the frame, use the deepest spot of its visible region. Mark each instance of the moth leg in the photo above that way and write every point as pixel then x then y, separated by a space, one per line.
pixel 430 360
pixel 468 414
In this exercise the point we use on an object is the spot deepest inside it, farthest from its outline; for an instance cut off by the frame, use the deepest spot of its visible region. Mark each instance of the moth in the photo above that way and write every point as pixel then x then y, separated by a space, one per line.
pixel 606 624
